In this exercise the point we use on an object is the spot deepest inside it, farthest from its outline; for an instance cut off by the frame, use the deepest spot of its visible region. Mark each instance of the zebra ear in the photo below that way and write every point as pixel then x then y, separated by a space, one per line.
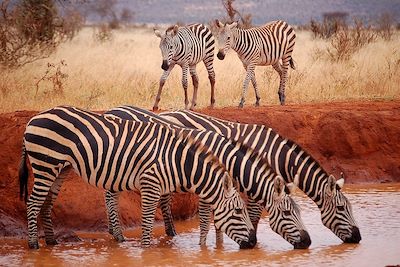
pixel 292 187
pixel 331 184
pixel 340 183
pixel 279 185
pixel 228 183
pixel 157 33
pixel 233 24
pixel 219 24
pixel 175 30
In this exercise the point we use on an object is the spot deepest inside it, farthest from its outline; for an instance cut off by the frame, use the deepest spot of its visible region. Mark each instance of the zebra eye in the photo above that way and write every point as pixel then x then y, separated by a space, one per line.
pixel 239 211
pixel 286 213
pixel 340 208
pixel 170 47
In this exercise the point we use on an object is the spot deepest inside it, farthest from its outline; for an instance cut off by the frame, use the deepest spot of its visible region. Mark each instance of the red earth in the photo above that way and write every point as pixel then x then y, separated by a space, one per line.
pixel 360 139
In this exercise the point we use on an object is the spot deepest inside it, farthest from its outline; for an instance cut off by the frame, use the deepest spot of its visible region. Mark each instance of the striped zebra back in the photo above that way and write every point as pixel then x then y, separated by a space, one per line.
pixel 192 44
pixel 290 161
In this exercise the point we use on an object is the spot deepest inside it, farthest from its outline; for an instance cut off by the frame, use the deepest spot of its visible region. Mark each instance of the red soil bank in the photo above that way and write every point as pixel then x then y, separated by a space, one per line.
pixel 361 139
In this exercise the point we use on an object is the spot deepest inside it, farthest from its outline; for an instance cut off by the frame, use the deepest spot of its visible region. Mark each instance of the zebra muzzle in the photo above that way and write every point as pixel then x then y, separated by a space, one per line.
pixel 305 240
pixel 220 55
pixel 165 65
pixel 355 236
pixel 252 241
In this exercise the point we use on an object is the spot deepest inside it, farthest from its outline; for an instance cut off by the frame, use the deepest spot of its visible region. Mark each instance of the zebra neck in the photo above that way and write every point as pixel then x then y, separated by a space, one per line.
pixel 236 39
pixel 311 178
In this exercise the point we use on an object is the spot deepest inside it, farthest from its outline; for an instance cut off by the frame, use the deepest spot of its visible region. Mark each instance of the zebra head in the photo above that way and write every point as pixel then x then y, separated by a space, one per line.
pixel 284 216
pixel 336 211
pixel 224 37
pixel 167 45
pixel 232 217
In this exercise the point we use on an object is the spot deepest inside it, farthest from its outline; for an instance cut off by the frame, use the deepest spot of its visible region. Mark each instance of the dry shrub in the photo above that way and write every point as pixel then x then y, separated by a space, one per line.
pixel 346 41
pixel 103 33
pixel 31 30
pixel 55 76
pixel 385 26
pixel 245 20
pixel 331 24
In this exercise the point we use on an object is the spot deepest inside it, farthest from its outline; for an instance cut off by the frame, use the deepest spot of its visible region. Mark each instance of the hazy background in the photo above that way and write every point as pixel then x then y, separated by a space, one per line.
pixel 293 11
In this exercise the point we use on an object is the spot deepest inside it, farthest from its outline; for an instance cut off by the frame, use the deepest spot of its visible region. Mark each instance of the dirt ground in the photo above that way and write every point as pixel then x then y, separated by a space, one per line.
pixel 360 139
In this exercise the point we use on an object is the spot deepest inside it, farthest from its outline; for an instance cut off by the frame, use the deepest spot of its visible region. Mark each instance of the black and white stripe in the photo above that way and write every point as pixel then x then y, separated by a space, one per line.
pixel 262 186
pixel 291 162
pixel 259 46
pixel 187 46
pixel 119 155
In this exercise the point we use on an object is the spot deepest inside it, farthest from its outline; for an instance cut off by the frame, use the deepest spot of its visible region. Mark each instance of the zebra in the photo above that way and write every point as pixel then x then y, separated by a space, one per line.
pixel 262 186
pixel 187 46
pixel 259 46
pixel 291 162
pixel 119 155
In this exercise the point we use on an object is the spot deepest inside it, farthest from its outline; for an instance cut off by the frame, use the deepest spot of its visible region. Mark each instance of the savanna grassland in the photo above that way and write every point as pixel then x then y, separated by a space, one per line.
pixel 98 75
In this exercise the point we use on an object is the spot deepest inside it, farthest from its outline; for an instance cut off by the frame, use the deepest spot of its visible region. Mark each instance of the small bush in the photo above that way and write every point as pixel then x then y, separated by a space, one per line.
pixel 385 26
pixel 55 75
pixel 103 33
pixel 30 30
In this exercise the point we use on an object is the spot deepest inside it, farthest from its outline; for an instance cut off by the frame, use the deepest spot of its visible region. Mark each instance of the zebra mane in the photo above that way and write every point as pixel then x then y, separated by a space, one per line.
pixel 288 143
pixel 198 146
pixel 295 206
pixel 305 154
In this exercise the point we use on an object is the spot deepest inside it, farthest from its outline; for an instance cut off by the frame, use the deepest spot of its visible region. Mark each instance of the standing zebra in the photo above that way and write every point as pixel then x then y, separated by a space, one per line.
pixel 291 162
pixel 262 186
pixel 186 46
pixel 259 46
pixel 119 155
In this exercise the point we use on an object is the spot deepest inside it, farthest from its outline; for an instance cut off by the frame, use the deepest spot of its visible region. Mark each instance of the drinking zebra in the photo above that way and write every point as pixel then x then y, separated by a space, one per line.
pixel 291 162
pixel 259 46
pixel 262 186
pixel 186 46
pixel 119 155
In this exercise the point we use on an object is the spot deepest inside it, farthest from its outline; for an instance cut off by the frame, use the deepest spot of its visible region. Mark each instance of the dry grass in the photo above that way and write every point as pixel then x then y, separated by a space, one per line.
pixel 127 71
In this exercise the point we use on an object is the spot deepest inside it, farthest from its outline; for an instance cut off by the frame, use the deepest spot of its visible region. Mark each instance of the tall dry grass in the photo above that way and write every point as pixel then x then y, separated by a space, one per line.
pixel 127 69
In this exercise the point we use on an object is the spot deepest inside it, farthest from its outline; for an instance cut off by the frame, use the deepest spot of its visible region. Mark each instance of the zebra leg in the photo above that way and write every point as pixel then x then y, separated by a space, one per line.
pixel 35 202
pixel 185 84
pixel 45 212
pixel 208 62
pixel 195 80
pixel 163 78
pixel 255 211
pixel 114 226
pixel 249 70
pixel 282 70
pixel 150 196
pixel 165 204
pixel 254 83
pixel 205 217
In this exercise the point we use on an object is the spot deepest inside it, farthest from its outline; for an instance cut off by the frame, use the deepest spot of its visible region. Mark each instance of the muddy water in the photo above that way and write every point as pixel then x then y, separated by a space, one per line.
pixel 376 208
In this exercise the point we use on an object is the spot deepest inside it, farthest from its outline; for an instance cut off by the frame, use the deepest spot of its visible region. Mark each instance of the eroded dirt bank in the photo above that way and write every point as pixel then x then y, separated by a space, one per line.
pixel 359 138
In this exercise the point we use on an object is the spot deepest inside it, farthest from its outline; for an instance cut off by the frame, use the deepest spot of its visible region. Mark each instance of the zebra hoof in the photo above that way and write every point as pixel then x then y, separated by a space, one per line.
pixel 170 232
pixel 240 105
pixel 119 238
pixel 281 98
pixel 155 108
pixel 257 104
pixel 51 242
pixel 34 245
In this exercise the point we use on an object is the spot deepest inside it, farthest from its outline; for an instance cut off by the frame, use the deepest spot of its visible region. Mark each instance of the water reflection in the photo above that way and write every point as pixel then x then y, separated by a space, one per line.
pixel 376 208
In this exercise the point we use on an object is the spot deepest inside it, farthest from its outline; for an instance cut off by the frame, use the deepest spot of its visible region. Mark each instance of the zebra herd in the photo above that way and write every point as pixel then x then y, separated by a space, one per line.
pixel 131 149
pixel 271 44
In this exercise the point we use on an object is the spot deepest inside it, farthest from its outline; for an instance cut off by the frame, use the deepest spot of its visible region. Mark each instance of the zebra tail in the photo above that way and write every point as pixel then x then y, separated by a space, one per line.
pixel 23 176
pixel 292 63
